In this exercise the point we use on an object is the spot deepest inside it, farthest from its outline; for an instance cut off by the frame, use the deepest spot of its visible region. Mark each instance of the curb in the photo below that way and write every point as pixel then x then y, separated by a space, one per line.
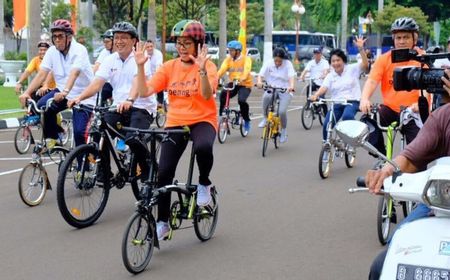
pixel 15 122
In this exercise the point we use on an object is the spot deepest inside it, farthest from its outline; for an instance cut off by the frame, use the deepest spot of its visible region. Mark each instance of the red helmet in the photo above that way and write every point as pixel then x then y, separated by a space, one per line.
pixel 62 25
pixel 191 28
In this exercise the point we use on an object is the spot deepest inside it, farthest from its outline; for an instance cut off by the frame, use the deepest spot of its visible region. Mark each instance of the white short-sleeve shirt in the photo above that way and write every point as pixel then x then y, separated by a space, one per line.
pixel 61 66
pixel 103 54
pixel 120 75
pixel 344 86
pixel 278 76
pixel 317 69
pixel 153 62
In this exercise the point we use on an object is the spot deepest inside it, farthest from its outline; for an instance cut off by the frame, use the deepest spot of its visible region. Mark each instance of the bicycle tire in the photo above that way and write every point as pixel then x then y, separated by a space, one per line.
pixel 350 158
pixel 67 134
pixel 307 116
pixel 146 240
pixel 276 138
pixel 223 130
pixel 266 137
pixel 244 132
pixel 325 164
pixel 22 139
pixel 204 214
pixel 383 221
pixel 408 207
pixel 160 119
pixel 58 155
pixel 322 115
pixel 38 181
pixel 74 181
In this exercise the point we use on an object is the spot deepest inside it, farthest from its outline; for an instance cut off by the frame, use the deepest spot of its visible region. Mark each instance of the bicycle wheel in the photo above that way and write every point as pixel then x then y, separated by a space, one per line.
pixel 160 118
pixel 223 130
pixel 322 114
pixel 244 132
pixel 350 156
pixel 80 200
pixel 384 219
pixel 307 115
pixel 276 138
pixel 267 131
pixel 205 219
pixel 66 136
pixel 138 243
pixel 33 184
pixel 325 160
pixel 408 207
pixel 22 139
pixel 58 155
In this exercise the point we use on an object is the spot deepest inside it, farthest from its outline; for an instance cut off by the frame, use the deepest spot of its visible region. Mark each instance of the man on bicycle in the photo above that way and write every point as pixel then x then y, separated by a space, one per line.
pixel 120 69
pixel 405 33
pixel 318 67
pixel 69 63
pixel 34 66
pixel 432 142
pixel 106 92
pixel 238 66
pixel 155 59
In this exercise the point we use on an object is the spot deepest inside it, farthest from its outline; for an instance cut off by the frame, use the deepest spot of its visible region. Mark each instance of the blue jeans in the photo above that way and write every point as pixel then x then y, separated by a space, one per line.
pixel 347 112
pixel 421 211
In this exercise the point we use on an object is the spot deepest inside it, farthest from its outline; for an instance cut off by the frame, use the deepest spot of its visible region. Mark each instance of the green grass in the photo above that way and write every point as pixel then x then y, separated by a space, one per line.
pixel 8 98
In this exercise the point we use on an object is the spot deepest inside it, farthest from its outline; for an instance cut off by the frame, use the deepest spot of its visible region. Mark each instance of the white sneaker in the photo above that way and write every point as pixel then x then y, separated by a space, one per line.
pixel 262 123
pixel 203 195
pixel 162 230
pixel 283 136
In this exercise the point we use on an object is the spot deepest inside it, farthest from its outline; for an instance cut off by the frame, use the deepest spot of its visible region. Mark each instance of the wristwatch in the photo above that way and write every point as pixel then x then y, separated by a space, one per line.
pixel 66 91
pixel 130 99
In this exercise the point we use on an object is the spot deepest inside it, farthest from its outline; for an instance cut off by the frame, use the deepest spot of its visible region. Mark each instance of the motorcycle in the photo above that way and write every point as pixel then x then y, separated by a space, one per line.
pixel 419 249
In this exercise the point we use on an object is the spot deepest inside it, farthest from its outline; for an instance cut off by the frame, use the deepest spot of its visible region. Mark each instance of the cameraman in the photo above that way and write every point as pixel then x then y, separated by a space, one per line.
pixel 431 143
pixel 405 33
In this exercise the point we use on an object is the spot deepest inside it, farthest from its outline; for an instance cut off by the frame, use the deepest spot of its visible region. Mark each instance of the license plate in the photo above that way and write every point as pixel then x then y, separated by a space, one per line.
pixel 414 272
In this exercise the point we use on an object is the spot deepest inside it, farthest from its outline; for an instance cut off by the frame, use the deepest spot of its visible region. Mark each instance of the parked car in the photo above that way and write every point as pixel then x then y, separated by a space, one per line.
pixel 253 53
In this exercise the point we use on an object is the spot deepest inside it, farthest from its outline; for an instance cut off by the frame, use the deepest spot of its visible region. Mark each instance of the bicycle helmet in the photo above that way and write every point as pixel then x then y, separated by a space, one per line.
pixel 124 27
pixel 404 24
pixel 43 44
pixel 280 52
pixel 235 45
pixel 108 34
pixel 61 25
pixel 189 28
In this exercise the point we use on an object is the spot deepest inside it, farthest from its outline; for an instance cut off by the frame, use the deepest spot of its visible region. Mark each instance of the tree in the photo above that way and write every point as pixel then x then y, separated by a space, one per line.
pixel 112 11
pixel 384 20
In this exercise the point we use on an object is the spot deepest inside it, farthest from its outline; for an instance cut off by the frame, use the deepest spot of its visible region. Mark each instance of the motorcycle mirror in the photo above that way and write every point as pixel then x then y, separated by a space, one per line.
pixel 353 132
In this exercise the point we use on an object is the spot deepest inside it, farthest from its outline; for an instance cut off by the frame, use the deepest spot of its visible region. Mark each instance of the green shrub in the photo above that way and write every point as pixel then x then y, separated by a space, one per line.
pixel 11 55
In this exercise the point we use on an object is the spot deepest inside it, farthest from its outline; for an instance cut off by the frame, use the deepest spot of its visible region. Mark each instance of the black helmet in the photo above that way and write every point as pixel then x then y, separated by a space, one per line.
pixel 125 27
pixel 108 34
pixel 280 52
pixel 43 44
pixel 404 24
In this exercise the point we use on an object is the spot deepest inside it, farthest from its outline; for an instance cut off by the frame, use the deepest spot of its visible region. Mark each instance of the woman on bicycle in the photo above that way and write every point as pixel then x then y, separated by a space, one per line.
pixel 343 83
pixel 191 81
pixel 278 73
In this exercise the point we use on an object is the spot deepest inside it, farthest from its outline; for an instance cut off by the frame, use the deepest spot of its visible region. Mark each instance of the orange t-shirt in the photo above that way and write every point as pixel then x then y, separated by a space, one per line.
pixel 383 71
pixel 186 103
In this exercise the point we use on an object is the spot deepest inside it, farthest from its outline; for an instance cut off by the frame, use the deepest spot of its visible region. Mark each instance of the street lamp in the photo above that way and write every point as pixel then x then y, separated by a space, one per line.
pixel 298 9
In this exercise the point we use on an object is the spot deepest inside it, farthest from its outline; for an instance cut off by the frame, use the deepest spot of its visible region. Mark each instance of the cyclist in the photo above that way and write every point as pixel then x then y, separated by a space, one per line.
pixel 191 81
pixel 155 59
pixel 69 63
pixel 431 143
pixel 318 69
pixel 120 69
pixel 238 66
pixel 34 66
pixel 343 83
pixel 106 91
pixel 278 73
pixel 405 33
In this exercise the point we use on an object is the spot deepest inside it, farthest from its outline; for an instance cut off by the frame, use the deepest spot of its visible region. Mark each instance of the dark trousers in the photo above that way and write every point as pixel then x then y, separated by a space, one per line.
pixel 388 116
pixel 243 94
pixel 106 94
pixel 203 135
pixel 51 128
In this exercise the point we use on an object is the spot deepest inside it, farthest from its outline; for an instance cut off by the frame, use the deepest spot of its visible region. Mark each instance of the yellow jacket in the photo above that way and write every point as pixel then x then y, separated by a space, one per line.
pixel 238 69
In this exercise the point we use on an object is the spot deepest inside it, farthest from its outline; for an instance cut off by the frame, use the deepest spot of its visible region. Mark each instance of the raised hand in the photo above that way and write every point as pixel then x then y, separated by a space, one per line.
pixel 140 54
pixel 359 41
pixel 202 57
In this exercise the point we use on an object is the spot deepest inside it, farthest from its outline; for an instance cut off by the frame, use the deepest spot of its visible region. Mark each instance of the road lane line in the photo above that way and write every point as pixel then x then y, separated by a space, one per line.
pixel 20 169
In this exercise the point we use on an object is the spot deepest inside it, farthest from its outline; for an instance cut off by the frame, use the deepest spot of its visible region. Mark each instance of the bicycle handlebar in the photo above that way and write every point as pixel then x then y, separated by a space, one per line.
pixel 33 104
pixel 234 83
pixel 266 87
pixel 330 100
pixel 158 131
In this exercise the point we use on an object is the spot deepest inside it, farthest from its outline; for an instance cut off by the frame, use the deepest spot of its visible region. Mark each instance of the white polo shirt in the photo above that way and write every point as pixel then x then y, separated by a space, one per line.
pixel 76 58
pixel 316 70
pixel 154 62
pixel 120 75
pixel 103 54
pixel 346 85
pixel 278 76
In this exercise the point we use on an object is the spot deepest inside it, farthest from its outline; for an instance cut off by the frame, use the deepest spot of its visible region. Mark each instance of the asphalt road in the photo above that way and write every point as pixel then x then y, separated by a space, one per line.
pixel 278 219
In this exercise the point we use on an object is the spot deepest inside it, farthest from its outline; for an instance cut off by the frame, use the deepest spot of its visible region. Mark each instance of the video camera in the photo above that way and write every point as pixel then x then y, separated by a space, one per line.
pixel 409 78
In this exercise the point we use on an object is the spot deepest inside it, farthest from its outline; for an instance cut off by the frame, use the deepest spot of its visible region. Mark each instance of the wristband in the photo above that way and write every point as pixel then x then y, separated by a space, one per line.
pixel 66 91
pixel 202 73
pixel 130 99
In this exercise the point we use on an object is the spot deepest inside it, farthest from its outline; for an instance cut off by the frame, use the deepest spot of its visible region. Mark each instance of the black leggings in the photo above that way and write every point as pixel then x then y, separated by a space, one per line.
pixel 387 116
pixel 243 94
pixel 203 135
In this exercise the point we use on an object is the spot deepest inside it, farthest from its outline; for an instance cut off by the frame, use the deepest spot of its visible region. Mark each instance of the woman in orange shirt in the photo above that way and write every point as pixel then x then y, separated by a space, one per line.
pixel 191 81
